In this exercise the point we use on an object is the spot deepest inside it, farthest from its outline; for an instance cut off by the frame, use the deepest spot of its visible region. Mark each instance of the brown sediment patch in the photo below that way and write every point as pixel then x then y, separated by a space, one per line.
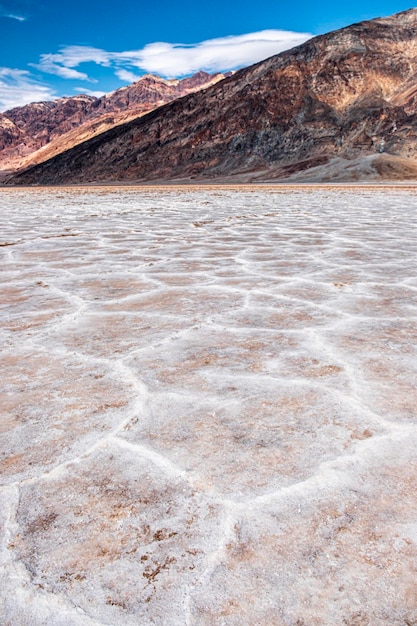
pixel 5 244
pixel 11 296
pixel 257 440
pixel 107 288
pixel 114 533
pixel 50 410
pixel 344 557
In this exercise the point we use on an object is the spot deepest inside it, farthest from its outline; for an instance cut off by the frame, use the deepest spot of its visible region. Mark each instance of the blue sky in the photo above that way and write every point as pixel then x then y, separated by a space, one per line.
pixel 52 48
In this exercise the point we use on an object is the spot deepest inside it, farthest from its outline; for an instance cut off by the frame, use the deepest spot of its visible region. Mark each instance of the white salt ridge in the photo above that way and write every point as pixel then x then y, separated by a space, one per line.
pixel 208 407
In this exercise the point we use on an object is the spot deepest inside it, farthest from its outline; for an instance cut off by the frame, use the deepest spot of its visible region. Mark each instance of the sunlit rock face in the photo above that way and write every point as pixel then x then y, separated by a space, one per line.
pixel 208 407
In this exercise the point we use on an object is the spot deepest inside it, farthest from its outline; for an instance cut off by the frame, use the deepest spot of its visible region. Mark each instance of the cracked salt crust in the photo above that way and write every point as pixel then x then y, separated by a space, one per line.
pixel 208 407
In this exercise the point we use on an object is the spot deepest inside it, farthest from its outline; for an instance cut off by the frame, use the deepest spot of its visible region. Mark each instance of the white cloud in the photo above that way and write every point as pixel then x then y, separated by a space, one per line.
pixel 72 56
pixel 12 16
pixel 90 92
pixel 10 9
pixel 17 88
pixel 213 55
pixel 50 67
pixel 174 60
pixel 128 77
pixel 63 62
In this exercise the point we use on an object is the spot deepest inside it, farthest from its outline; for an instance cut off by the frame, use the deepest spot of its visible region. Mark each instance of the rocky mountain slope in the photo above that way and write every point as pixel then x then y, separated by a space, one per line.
pixel 51 127
pixel 342 106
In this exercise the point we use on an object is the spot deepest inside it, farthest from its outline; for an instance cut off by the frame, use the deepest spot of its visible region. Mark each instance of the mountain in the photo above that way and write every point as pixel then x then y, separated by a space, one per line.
pixel 342 106
pixel 36 132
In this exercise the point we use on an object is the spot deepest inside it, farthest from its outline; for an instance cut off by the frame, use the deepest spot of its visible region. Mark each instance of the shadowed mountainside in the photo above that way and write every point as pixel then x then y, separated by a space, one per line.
pixel 36 132
pixel 339 107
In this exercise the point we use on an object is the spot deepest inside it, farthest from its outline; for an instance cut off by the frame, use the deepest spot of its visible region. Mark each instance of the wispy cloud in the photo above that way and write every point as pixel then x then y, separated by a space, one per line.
pixel 90 92
pixel 17 88
pixel 19 18
pixel 174 60
pixel 63 62
pixel 49 66
pixel 12 11
pixel 127 76
pixel 213 55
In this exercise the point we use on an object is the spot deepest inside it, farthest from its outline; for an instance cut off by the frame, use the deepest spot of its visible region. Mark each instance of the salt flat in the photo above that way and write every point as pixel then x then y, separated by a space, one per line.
pixel 208 407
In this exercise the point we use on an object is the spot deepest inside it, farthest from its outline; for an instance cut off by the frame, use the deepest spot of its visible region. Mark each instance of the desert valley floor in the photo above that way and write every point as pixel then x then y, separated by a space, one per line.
pixel 208 406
